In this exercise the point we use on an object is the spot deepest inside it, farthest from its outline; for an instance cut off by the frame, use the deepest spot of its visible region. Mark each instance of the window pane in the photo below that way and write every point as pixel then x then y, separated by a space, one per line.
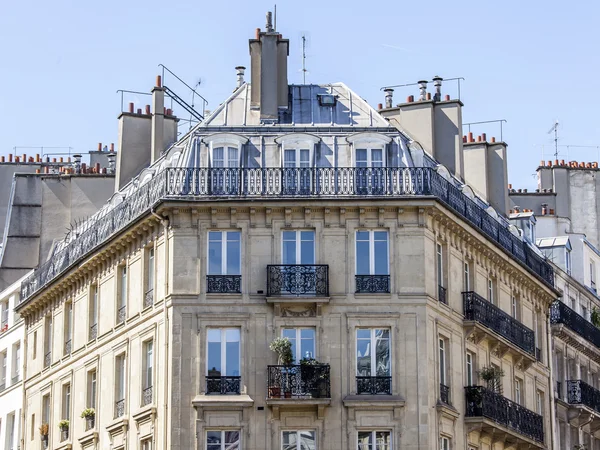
pixel 218 155
pixel 382 355
pixel 307 440
pixel 377 157
pixel 289 158
pixel 383 440
pixel 362 235
pixel 233 358
pixel 361 157
pixel 307 343
pixel 362 258
pixel 289 252
pixel 214 257
pixel 381 258
pixel 363 356
pixel 232 156
pixel 233 253
pixel 214 357
pixel 288 440
pixel 308 252
pixel 232 437
pixel 213 437
pixel 365 440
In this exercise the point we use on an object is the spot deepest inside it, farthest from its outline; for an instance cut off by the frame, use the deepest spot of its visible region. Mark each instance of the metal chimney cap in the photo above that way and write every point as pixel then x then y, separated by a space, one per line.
pixel 240 68
pixel 423 82
pixel 390 90
pixel 437 78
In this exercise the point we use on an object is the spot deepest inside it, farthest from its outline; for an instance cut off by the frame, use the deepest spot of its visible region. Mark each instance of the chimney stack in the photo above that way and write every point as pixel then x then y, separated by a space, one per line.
pixel 422 90
pixel 389 96
pixel 437 82
pixel 268 71
pixel 240 75
pixel 158 120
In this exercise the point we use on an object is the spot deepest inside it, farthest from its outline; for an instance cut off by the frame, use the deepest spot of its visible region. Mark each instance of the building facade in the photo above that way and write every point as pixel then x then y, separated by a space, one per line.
pixel 417 317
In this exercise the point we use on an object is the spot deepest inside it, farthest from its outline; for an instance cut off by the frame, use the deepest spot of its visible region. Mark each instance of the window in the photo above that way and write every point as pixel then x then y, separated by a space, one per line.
pixel 568 260
pixel 148 364
pixel 303 342
pixel 297 177
pixel 374 440
pixel 223 440
pixel 3 363
pixel 593 275
pixel 539 401
pixel 122 297
pixel 120 385
pixel 224 252
pixel 372 253
pixel 4 316
pixel 225 157
pixel 298 440
pixel 68 327
pixel 515 307
pixel 223 362
pixel 518 386
pixel 46 409
pixel 32 437
pixel 91 389
pixel 466 277
pixel 150 269
pixel 298 247
pixel 584 312
pixel 370 157
pixel 491 291
pixel 66 402
pixel 469 368
pixel 93 313
pixel 10 431
pixel 48 341
pixel 440 264
pixel 444 443
pixel 146 444
pixel 16 368
pixel 442 362
pixel 34 350
pixel 373 360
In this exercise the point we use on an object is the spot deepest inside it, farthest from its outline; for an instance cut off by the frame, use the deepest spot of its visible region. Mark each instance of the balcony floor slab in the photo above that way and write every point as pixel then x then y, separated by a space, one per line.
pixel 499 433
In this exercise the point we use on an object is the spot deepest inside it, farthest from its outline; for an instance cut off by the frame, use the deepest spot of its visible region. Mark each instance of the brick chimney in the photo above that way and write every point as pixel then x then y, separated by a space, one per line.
pixel 268 72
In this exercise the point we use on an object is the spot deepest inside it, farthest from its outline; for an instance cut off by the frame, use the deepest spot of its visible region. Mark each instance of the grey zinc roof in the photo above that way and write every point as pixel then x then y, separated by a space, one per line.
pixel 350 109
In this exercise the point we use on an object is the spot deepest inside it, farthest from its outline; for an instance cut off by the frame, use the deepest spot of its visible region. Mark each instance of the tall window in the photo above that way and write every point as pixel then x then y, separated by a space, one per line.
pixel 148 373
pixel 3 363
pixel 66 401
pixel 223 352
pixel 593 275
pixel 469 368
pixel 515 307
pixel 122 297
pixel 10 431
pixel 224 253
pixel 34 349
pixel 298 440
pixel 3 316
pixel 298 247
pixel 491 291
pixel 440 264
pixel 91 389
pixel 146 444
pixel 119 385
pixel 518 387
pixel 150 268
pixel 225 157
pixel 68 328
pixel 48 341
pixel 296 178
pixel 16 369
pixel 369 157
pixel 223 440
pixel 373 352
pixel 93 313
pixel 372 253
pixel 374 440
pixel 444 443
pixel 443 371
pixel 303 342
pixel 568 260
pixel 539 401
pixel 46 409
pixel 466 277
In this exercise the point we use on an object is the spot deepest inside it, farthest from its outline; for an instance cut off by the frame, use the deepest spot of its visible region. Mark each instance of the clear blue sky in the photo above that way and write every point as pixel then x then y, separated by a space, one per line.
pixel 529 62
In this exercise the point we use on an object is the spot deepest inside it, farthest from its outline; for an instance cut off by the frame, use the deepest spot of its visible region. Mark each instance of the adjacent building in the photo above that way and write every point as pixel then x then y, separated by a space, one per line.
pixel 417 314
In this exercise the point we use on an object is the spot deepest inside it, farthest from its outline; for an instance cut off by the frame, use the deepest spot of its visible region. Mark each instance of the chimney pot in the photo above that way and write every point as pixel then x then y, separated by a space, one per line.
pixel 483 137
pixel 389 96
pixel 139 111
pixel 240 75
pixel 437 82
pixel 542 163
pixel 1 158
pixel 551 212
pixel 549 164
pixel 470 138
pixel 37 157
pixel 510 186
pixel 269 24
pixel 112 147
pixel 581 164
pixel 556 162
pixel 24 158
pixel 97 167
pixel 131 106
pixel 429 96
pixel 148 109
pixel 158 81
pixel 411 98
pixel 594 165
pixel 83 167
pixel 10 157
pixel 519 191
pixel 37 170
pixel 61 159
pixel 588 165
pixel 479 138
pixel 16 159
pixel 169 112
pixel 379 105
pixel 422 90
pixel 493 139
pixel 465 138
pixel 524 191
pixel 447 97
pixel 257 35
pixel 53 160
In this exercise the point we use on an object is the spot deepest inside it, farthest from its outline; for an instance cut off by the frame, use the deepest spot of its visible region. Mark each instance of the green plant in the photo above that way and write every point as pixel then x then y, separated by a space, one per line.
pixel 44 429
pixel 595 317
pixel 88 413
pixel 309 362
pixel 283 348
pixel 63 425
pixel 492 376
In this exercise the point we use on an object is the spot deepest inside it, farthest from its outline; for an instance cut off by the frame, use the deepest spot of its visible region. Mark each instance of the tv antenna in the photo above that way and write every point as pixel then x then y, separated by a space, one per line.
pixel 304 58
pixel 554 130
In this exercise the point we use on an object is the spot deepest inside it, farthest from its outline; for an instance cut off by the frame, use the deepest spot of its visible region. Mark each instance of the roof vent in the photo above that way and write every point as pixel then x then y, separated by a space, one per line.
pixel 327 99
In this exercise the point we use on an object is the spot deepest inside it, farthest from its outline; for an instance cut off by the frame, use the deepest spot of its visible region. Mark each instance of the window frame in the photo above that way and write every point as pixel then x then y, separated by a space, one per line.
pixel 150 269
pixel 223 348
pixel 373 356
pixel 443 360
pixel 445 443
pixel 298 441
pixel 224 242
pixel 297 342
pixel 372 257
pixel 518 391
pixel 298 142
pixel 120 388
pixel 467 276
pixel 469 365
pixel 225 140
pixel 373 445
pixel 491 288
pixel 439 253
pixel 223 443
pixel 148 364
pixel 123 289
pixel 91 394
pixel 66 402
pixel 298 243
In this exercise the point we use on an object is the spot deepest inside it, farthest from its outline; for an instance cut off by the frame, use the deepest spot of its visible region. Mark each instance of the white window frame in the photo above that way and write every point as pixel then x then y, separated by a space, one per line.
pixel 121 377
pixel 68 325
pixel 148 364
pixel 439 251
pixel 146 444
pixel 224 140
pixel 150 269
pixel 443 360
pixel 93 305
pixel 369 141
pixel 298 240
pixel 16 369
pixel 298 141
pixel 223 342
pixel 123 286
pixel 518 390
pixel 466 276
pixel 66 401
pixel 373 445
pixel 224 245
pixel 91 388
pixel 298 341
pixel 3 366
pixel 515 307
pixel 371 250
pixel 445 443
pixel 373 356
pixel 298 447
pixel 491 291
pixel 539 401
pixel 469 364
pixel 223 443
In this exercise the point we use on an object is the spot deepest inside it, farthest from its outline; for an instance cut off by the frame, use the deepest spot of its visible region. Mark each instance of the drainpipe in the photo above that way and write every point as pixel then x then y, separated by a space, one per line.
pixel 165 223
pixel 549 355
pixel 23 375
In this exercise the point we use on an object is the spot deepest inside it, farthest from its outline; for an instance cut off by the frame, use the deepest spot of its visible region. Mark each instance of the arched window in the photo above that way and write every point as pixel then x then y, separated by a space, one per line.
pixel 225 161
pixel 370 161
pixel 297 162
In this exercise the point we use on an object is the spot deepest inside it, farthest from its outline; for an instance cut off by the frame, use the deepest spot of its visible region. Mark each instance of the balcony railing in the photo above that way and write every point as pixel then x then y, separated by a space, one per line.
pixel 148 298
pixel 442 295
pixel 298 280
pixel 264 183
pixel 47 359
pixel 372 284
pixel 581 393
pixel 15 379
pixel 223 385
pixel 374 385
pixel 93 332
pixel 147 396
pixel 224 284
pixel 480 310
pixel 444 394
pixel 2 386
pixel 119 408
pixel 561 313
pixel 481 402
pixel 121 314
pixel 299 381
pixel 67 348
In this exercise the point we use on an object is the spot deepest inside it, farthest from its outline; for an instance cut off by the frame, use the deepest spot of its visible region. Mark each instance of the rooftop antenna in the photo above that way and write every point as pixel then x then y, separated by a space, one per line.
pixel 275 17
pixel 555 130
pixel 304 58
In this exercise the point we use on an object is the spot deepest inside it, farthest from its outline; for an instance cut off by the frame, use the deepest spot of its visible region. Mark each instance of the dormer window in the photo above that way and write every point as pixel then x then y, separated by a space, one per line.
pixel 369 151
pixel 327 99
pixel 298 159
pixel 224 159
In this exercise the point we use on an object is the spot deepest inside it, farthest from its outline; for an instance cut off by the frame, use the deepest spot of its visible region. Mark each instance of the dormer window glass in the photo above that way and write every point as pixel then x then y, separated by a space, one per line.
pixel 226 157
pixel 297 161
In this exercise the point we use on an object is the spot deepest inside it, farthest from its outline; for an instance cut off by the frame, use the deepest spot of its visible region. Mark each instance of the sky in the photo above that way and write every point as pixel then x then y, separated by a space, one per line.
pixel 530 63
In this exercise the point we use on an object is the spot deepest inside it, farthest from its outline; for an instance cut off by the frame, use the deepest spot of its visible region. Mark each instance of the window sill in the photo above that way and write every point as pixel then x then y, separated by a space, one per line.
pixel 377 401
pixel 66 445
pixel 118 426
pixel 372 294
pixel 242 400
pixel 145 414
pixel 88 439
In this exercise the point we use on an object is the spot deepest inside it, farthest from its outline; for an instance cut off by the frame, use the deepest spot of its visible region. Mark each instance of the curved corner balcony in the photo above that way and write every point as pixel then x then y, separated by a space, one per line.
pixel 209 184
pixel 575 330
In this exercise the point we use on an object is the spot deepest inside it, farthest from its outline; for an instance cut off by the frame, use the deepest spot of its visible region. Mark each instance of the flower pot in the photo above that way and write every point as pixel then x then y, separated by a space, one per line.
pixel 274 392
pixel 45 440
pixel 288 394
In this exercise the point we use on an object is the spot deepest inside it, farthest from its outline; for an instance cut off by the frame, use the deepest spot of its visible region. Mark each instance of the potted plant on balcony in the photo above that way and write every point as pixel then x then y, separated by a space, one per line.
pixel 595 317
pixel 283 348
pixel 63 425
pixel 493 377
pixel 89 414
pixel 44 430
pixel 314 376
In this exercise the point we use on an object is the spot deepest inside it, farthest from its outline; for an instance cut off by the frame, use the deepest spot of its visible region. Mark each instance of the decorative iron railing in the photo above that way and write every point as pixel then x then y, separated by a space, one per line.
pixel 224 284
pixel 538 354
pixel 372 284
pixel 444 394
pixel 260 183
pixel 481 402
pixel 480 310
pixel 299 381
pixel 581 393
pixel 561 313
pixel 93 332
pixel 2 386
pixel 559 390
pixel 90 423
pixel 374 385
pixel 223 385
pixel 64 435
pixel 119 408
pixel 47 359
pixel 67 347
pixel 442 295
pixel 14 380
pixel 298 280
pixel 121 314
pixel 147 396
pixel 149 298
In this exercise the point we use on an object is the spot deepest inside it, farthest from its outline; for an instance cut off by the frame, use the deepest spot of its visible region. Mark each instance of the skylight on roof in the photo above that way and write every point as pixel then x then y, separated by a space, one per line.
pixel 326 99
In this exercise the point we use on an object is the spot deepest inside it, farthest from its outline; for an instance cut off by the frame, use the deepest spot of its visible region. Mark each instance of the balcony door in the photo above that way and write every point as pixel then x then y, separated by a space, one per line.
pixel 225 174
pixel 298 259
pixel 297 176
pixel 303 342
pixel 370 179
pixel 373 364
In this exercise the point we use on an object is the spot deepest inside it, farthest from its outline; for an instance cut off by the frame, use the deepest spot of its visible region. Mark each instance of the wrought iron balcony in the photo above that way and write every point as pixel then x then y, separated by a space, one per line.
pixel 119 408
pixel 274 183
pixel 15 379
pixel 223 385
pixel 481 402
pixel 372 284
pixel 562 314
pixel 64 435
pixel 298 280
pixel 581 393
pixel 538 354
pixel 121 314
pixel 149 298
pixel 224 284
pixel 559 389
pixel 47 359
pixel 299 381
pixel 67 348
pixel 2 386
pixel 147 396
pixel 445 394
pixel 442 295
pixel 90 423
pixel 93 332
pixel 374 385
pixel 478 309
